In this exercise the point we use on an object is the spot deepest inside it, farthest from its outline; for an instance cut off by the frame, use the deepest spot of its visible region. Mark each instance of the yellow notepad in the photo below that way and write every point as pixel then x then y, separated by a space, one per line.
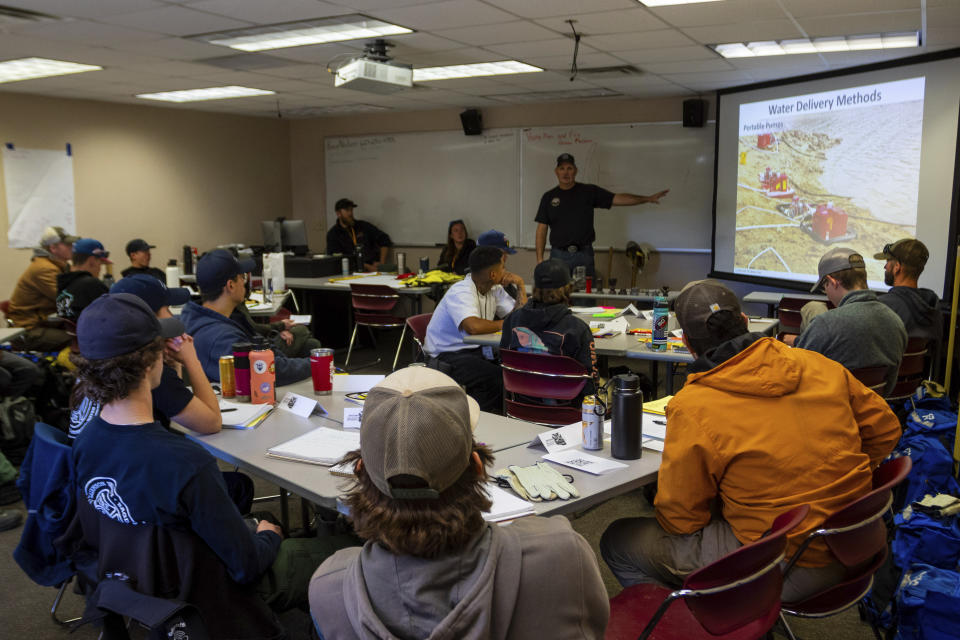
pixel 658 407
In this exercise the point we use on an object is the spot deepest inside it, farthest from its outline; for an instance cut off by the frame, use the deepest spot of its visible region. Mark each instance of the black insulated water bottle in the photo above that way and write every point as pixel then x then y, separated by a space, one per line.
pixel 627 436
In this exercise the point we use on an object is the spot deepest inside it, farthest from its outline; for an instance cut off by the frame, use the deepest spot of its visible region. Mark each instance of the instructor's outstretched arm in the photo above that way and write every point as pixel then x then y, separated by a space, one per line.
pixel 629 199
pixel 541 240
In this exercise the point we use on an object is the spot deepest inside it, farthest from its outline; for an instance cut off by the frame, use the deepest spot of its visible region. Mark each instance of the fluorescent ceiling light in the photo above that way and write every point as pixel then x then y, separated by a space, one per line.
pixel 830 44
pixel 306 32
pixel 505 67
pixel 210 93
pixel 30 68
pixel 664 3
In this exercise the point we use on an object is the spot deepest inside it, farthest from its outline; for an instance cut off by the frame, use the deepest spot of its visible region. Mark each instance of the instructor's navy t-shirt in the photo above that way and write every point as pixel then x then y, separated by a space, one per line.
pixel 569 213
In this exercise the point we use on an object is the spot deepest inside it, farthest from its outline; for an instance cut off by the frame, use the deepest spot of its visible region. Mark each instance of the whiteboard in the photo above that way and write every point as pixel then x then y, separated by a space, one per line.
pixel 39 186
pixel 629 158
pixel 412 185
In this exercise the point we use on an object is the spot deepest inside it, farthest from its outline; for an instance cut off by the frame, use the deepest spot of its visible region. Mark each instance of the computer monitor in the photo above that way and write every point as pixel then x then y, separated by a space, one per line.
pixel 294 236
pixel 272 235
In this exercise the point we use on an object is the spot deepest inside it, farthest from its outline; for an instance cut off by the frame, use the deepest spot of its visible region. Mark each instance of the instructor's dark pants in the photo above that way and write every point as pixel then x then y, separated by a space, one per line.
pixel 482 379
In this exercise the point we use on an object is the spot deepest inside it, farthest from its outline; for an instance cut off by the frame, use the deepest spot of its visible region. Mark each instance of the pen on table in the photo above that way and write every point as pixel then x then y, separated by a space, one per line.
pixel 230 409
pixel 663 422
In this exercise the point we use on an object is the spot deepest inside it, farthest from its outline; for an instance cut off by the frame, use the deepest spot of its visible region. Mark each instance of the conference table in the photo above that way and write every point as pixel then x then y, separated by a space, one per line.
pixel 772 298
pixel 629 346
pixel 509 439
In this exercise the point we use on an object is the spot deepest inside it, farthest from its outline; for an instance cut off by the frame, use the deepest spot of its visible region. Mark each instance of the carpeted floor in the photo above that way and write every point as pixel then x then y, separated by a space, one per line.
pixel 25 609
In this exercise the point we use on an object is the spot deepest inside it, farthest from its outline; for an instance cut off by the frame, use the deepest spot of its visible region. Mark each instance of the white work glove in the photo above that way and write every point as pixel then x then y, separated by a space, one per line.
pixel 542 482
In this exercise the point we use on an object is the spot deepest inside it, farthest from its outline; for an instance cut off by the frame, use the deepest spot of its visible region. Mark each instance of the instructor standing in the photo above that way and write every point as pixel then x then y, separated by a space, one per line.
pixel 568 210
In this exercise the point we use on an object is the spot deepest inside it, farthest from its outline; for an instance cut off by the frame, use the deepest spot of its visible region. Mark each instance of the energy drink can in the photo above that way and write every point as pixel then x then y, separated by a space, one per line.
pixel 592 424
pixel 228 381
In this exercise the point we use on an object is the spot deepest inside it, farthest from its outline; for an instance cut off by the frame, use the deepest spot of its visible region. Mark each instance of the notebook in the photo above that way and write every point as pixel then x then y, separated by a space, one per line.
pixel 506 505
pixel 322 446
pixel 242 415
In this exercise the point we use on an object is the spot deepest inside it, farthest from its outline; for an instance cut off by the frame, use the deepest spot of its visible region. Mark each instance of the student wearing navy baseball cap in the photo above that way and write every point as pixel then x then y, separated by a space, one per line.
pixel 138 484
pixel 138 250
pixel 197 410
pixel 216 324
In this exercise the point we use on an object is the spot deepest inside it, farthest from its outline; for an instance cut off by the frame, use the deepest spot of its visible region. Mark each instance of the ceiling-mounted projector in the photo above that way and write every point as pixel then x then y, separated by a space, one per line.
pixel 374 72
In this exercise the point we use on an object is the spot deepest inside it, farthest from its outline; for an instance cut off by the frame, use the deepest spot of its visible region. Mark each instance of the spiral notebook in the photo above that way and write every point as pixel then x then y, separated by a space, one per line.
pixel 323 446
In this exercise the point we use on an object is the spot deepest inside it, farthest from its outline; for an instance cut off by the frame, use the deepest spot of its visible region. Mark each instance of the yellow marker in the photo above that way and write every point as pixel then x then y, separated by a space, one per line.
pixel 743 157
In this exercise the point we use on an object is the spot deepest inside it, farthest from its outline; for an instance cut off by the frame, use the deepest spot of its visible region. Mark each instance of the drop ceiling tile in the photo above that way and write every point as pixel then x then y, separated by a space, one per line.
pixel 556 84
pixel 714 13
pixel 444 15
pixel 547 8
pixel 593 24
pixel 286 86
pixel 688 66
pixel 420 42
pixel 851 58
pixel 85 31
pixel 296 71
pixel 371 5
pixel 721 78
pixel 483 35
pixel 668 54
pixel 861 23
pixel 644 40
pixel 540 48
pixel 944 16
pixel 584 61
pixel 260 12
pixel 744 32
pixel 790 65
pixel 175 21
pixel 943 37
pixel 311 54
pixel 84 8
pixel 172 48
pixel 810 8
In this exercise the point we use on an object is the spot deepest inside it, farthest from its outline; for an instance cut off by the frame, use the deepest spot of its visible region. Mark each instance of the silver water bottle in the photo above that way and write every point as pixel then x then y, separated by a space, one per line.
pixel 626 442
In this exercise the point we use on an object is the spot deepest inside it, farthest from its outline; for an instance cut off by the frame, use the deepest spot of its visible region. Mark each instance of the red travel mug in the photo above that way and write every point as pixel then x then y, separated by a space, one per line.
pixel 589 285
pixel 321 369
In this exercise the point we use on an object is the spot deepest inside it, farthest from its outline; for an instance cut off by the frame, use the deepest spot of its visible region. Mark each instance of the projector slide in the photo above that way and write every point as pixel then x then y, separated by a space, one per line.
pixel 822 169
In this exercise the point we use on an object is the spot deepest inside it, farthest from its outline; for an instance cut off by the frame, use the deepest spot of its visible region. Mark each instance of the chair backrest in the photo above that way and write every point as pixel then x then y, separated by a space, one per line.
pixel 872 377
pixel 418 327
pixel 373 298
pixel 912 368
pixel 744 585
pixel 543 375
pixel 788 313
pixel 856 533
pixel 5 308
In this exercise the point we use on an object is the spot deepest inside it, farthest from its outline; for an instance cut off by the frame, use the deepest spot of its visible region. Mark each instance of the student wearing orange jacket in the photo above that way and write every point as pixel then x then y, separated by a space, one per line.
pixel 758 428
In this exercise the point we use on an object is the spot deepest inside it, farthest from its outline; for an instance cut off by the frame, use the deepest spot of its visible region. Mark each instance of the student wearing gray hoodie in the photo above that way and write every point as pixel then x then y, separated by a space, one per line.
pixel 918 308
pixel 432 567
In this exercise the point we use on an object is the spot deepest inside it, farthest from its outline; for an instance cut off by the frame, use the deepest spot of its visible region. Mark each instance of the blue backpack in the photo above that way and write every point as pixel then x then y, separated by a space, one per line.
pixel 932 467
pixel 929 600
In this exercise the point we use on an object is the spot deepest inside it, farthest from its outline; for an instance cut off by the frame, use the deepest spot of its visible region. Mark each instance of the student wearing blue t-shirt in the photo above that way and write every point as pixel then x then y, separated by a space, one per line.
pixel 135 481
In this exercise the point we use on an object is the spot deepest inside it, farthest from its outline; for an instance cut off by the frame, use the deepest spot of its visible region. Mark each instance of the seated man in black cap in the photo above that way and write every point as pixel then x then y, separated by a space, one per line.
pixel 349 233
pixel 138 250
pixel 142 487
pixel 546 325
pixel 216 324
pixel 432 567
pixel 82 285
pixel 473 306
pixel 919 308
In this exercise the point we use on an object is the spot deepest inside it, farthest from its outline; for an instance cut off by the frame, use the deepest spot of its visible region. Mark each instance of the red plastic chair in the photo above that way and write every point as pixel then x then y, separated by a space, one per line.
pixel 856 536
pixel 373 306
pixel 736 597
pixel 912 369
pixel 418 329
pixel 541 375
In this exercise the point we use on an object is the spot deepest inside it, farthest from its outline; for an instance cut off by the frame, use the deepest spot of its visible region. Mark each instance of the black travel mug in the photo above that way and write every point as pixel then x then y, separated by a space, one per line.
pixel 626 439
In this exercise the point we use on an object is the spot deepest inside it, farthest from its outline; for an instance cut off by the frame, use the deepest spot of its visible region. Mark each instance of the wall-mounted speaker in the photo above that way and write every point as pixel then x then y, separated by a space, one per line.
pixel 472 122
pixel 694 112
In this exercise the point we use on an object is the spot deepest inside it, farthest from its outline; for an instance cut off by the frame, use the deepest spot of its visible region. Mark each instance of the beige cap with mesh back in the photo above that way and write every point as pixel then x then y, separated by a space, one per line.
pixel 417 422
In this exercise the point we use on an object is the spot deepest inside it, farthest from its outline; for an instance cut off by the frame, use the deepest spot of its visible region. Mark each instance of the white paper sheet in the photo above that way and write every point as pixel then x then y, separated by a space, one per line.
pixel 350 383
pixel 584 461
pixel 301 319
pixel 321 446
pixel 506 505
pixel 39 187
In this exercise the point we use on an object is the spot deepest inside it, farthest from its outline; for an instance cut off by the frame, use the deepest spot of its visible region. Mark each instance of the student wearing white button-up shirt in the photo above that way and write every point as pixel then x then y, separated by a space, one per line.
pixel 475 305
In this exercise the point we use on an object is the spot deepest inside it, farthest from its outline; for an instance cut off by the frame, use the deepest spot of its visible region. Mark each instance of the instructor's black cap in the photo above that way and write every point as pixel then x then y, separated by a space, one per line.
pixel 565 158
pixel 344 203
